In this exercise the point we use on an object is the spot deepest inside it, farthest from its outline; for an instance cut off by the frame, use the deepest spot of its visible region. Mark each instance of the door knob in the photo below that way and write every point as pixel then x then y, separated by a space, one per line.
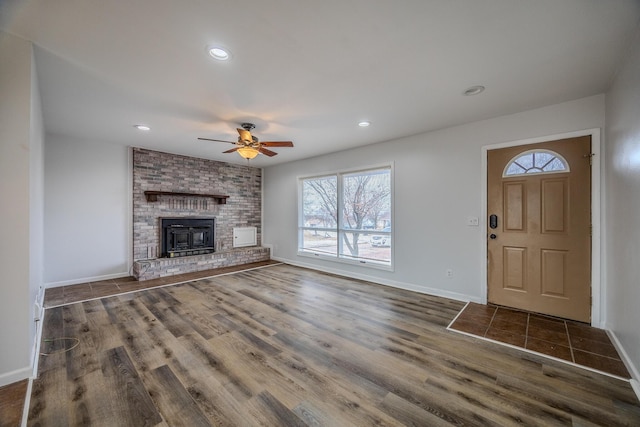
pixel 493 236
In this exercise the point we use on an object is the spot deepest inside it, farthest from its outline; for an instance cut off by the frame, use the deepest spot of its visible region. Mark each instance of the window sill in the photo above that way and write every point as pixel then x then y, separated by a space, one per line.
pixel 360 263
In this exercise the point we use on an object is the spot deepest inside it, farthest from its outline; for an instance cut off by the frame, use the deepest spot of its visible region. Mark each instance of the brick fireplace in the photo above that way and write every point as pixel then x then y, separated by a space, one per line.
pixel 186 187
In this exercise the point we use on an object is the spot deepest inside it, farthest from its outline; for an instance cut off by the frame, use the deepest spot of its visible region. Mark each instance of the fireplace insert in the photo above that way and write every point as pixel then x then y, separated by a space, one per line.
pixel 187 236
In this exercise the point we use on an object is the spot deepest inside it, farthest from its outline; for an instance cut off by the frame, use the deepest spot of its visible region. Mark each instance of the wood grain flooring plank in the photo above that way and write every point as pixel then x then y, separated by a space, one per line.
pixel 81 358
pixel 116 309
pixel 488 401
pixel 626 410
pixel 259 344
pixel 353 400
pixel 205 326
pixel 104 333
pixel 132 401
pixel 489 354
pixel 219 406
pixel 166 298
pixel 573 377
pixel 52 328
pixel 572 406
pixel 378 367
pixel 288 346
pixel 48 406
pixel 80 354
pixel 143 351
pixel 252 367
pixel 480 381
pixel 355 389
pixel 173 322
pixel 185 364
pixel 87 403
pixel 318 319
pixel 314 417
pixel 235 316
pixel 409 414
pixel 177 406
pixel 236 381
pixel 269 411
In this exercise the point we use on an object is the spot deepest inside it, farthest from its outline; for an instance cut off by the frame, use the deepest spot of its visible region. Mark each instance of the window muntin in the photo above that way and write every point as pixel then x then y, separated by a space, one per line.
pixel 536 161
pixel 361 232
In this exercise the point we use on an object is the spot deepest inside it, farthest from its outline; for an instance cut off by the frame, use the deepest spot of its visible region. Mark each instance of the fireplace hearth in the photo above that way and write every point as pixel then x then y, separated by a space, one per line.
pixel 185 236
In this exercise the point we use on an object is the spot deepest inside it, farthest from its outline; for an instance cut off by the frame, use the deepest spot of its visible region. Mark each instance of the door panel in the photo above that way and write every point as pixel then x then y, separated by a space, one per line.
pixel 554 205
pixel 515 267
pixel 540 260
pixel 514 206
pixel 554 273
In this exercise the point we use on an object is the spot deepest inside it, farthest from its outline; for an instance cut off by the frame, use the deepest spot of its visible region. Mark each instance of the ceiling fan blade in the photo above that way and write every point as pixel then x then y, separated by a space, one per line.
pixel 277 144
pixel 245 135
pixel 267 152
pixel 217 140
pixel 231 150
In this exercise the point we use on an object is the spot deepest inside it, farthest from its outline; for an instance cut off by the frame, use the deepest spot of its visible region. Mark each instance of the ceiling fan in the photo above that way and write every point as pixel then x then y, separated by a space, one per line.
pixel 248 146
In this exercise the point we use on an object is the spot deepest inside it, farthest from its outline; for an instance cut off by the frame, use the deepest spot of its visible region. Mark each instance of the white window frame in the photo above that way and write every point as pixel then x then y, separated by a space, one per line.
pixel 340 229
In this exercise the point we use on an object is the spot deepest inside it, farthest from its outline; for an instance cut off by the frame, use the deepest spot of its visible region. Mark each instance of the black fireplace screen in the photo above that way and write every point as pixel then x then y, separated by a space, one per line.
pixel 187 236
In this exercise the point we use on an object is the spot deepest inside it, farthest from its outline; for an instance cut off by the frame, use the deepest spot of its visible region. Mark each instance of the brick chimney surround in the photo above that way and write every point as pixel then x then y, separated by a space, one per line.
pixel 191 187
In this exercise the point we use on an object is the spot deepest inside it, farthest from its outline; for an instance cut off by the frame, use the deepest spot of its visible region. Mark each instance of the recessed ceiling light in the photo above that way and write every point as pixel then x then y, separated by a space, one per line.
pixel 142 127
pixel 219 53
pixel 473 90
pixel 364 123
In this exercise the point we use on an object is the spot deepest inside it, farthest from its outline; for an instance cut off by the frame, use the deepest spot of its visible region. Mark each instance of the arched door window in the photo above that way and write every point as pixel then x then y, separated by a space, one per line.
pixel 536 161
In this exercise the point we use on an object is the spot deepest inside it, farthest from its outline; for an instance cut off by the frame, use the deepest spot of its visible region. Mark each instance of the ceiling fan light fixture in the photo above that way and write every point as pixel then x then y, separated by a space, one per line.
pixel 219 53
pixel 247 152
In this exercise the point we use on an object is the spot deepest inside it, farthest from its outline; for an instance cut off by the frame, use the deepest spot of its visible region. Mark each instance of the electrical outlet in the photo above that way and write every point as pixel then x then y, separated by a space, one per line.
pixel 449 273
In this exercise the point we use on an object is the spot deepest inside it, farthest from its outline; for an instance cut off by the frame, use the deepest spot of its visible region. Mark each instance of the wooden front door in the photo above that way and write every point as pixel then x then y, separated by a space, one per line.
pixel 540 247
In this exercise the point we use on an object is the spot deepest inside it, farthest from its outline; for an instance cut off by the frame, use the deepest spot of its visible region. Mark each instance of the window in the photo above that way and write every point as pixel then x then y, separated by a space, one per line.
pixel 536 161
pixel 347 217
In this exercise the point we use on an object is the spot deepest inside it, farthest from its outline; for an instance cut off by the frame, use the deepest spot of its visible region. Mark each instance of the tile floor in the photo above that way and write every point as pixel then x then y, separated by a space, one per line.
pixel 564 339
pixel 62 295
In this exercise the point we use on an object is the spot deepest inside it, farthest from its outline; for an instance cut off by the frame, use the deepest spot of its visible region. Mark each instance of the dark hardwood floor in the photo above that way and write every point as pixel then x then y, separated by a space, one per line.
pixel 282 345
pixel 12 399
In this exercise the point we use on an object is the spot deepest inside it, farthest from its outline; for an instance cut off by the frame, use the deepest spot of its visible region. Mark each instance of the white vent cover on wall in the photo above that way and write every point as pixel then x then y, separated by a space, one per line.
pixel 245 236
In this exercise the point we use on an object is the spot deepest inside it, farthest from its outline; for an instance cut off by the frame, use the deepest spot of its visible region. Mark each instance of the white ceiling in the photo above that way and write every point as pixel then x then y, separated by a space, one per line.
pixel 308 70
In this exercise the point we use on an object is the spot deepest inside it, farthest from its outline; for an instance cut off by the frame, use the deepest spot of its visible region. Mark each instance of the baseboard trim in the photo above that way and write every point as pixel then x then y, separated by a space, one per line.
pixel 15 376
pixel 635 385
pixel 631 367
pixel 85 280
pixel 27 404
pixel 392 283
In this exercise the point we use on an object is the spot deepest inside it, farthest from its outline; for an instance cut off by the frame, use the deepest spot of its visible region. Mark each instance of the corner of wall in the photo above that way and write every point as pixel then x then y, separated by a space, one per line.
pixel 628 362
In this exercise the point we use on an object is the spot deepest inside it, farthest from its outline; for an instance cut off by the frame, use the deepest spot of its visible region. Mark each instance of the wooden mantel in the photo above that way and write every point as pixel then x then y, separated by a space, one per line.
pixel 152 196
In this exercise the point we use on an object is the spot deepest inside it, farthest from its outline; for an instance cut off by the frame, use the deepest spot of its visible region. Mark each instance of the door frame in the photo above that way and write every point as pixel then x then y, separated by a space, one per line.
pixel 597 291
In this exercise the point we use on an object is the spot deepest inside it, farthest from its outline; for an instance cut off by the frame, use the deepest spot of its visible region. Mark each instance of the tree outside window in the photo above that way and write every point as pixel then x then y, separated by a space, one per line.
pixel 347 214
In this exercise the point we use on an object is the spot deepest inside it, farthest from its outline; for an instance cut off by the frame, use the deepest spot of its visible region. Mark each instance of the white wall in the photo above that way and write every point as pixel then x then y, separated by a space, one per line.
pixel 36 206
pixel 437 186
pixel 87 211
pixel 622 184
pixel 17 146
